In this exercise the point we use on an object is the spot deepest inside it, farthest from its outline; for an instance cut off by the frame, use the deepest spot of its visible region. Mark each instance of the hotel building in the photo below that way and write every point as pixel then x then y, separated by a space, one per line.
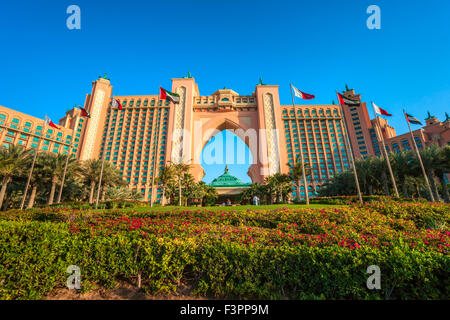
pixel 145 135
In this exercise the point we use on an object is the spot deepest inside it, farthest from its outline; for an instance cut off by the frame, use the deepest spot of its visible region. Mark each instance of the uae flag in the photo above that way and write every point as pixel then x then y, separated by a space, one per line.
pixel 84 113
pixel 301 94
pixel 167 95
pixel 412 119
pixel 116 104
pixel 381 111
pixel 50 123
pixel 347 101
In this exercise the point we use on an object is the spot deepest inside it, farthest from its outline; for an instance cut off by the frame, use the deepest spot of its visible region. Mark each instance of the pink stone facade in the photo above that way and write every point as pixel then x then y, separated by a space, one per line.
pixel 149 133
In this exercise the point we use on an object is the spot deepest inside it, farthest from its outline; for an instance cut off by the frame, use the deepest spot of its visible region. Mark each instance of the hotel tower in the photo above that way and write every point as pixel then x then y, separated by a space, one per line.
pixel 148 132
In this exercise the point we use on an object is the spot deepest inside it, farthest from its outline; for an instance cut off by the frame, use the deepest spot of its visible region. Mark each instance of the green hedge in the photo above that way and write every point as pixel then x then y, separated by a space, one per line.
pixel 341 200
pixel 34 256
pixel 112 204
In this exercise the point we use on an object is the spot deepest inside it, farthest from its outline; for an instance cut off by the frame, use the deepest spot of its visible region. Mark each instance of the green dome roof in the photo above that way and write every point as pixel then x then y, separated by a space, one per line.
pixel 227 180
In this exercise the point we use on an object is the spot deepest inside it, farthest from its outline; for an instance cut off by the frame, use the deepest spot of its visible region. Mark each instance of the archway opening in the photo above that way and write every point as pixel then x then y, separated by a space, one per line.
pixel 226 149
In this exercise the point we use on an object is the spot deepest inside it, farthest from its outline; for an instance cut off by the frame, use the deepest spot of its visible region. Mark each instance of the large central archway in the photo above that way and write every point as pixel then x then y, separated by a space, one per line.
pixel 226 150
pixel 213 128
pixel 255 118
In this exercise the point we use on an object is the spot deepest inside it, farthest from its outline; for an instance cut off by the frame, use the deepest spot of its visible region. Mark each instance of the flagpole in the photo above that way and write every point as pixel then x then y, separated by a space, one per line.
pixel 419 157
pixel 349 146
pixel 385 154
pixel 67 163
pixel 22 203
pixel 103 158
pixel 301 152
pixel 155 161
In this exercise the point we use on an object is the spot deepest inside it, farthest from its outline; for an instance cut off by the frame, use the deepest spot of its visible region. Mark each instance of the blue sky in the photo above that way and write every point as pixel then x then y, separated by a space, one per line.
pixel 318 45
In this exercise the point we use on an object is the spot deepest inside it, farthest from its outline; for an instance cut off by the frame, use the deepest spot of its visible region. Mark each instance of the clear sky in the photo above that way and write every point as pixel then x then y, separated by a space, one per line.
pixel 319 45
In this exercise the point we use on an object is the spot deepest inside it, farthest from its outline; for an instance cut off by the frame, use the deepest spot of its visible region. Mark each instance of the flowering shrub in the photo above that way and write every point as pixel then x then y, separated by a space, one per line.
pixel 280 253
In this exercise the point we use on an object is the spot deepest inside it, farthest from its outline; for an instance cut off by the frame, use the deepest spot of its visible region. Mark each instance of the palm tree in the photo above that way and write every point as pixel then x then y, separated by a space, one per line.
pixel 431 158
pixel 179 170
pixel 445 168
pixel 442 167
pixel 190 191
pixel 13 160
pixel 73 172
pixel 111 178
pixel 56 163
pixel 166 176
pixel 91 172
pixel 341 184
pixel 279 183
pixel 296 175
pixel 40 177
pixel 210 194
pixel 122 193
pixel 402 166
pixel 377 176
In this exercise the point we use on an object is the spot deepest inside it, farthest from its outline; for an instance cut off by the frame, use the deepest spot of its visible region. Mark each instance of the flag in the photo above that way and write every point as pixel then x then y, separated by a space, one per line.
pixel 381 111
pixel 84 113
pixel 347 101
pixel 412 119
pixel 167 95
pixel 302 95
pixel 116 103
pixel 50 123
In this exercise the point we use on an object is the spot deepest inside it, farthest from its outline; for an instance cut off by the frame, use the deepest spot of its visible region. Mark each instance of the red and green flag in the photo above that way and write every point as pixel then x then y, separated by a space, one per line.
pixel 412 119
pixel 85 113
pixel 343 100
pixel 167 95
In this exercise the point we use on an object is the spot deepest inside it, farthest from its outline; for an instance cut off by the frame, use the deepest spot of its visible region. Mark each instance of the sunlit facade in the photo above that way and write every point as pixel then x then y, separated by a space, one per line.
pixel 144 136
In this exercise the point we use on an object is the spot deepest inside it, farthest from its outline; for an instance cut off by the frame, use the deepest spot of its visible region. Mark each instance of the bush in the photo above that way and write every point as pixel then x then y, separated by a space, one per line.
pixel 111 204
pixel 340 200
pixel 253 254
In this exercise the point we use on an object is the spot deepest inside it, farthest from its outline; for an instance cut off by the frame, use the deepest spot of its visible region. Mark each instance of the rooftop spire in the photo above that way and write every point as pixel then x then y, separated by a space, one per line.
pixel 429 116
pixel 104 76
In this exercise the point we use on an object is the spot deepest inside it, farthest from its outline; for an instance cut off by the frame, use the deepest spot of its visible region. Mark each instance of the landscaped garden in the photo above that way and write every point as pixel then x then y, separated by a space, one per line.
pixel 270 252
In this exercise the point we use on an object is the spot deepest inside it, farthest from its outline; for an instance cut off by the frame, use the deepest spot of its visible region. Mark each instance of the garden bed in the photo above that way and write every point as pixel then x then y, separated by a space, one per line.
pixel 280 253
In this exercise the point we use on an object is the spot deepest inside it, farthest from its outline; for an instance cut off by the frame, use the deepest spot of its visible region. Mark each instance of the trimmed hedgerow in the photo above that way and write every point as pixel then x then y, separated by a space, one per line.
pixel 269 254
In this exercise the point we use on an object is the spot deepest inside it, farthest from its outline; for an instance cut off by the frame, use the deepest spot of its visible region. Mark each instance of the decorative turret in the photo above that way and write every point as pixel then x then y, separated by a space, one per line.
pixel 349 92
pixel 430 119
pixel 104 77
